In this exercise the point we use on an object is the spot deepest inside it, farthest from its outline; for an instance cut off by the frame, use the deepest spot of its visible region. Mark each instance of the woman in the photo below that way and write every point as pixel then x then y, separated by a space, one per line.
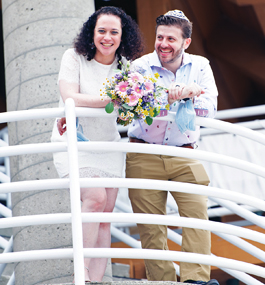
pixel 108 37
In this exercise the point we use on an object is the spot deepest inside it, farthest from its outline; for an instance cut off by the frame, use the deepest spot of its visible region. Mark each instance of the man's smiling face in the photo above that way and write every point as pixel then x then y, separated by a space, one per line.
pixel 170 44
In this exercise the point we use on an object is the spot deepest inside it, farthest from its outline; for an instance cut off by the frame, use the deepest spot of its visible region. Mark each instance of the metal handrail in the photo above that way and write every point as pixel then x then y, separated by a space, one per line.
pixel 95 217
pixel 241 112
pixel 75 196
pixel 74 182
pixel 83 112
pixel 135 254
pixel 145 148
pixel 231 114
pixel 245 278
pixel 177 238
pixel 244 213
pixel 138 218
pixel 50 184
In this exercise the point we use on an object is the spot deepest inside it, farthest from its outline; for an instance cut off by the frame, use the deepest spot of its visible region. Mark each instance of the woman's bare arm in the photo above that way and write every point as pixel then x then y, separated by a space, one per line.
pixel 71 90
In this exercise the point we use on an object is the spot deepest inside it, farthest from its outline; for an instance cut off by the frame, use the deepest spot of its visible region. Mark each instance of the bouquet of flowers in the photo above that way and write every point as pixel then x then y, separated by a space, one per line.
pixel 134 96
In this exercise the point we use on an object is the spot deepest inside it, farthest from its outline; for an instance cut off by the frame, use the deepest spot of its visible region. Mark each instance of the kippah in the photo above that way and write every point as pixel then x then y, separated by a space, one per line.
pixel 177 14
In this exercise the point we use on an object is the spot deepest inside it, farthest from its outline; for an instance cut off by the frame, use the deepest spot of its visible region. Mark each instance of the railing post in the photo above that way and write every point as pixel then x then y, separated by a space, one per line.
pixel 77 233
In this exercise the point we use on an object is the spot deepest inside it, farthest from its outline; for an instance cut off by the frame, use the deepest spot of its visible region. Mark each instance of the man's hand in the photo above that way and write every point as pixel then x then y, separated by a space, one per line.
pixel 192 90
pixel 61 125
pixel 181 91
pixel 174 92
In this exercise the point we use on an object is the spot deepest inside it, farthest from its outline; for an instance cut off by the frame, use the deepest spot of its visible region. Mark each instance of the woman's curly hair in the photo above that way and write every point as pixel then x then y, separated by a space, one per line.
pixel 131 45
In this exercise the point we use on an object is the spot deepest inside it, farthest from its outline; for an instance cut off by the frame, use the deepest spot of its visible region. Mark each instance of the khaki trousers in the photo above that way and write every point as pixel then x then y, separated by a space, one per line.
pixel 170 168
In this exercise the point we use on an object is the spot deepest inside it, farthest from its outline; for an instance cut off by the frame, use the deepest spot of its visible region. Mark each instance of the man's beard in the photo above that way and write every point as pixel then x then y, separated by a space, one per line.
pixel 176 57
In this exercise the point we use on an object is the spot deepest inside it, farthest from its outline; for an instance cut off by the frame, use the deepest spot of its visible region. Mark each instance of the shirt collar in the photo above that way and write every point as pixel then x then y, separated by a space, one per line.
pixel 186 59
pixel 154 60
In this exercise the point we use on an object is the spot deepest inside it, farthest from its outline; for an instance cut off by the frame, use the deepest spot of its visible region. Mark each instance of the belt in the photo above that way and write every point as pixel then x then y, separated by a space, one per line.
pixel 135 140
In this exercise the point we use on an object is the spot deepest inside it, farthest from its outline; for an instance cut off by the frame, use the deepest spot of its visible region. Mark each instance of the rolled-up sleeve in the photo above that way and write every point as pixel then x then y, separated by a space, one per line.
pixel 208 100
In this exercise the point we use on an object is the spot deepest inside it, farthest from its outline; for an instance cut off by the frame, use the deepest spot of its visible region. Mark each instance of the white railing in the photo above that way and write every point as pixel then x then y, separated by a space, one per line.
pixel 233 234
pixel 4 172
pixel 232 114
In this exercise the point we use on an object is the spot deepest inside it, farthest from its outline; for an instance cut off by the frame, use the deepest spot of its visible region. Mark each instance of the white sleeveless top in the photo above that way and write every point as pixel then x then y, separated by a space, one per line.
pixel 90 75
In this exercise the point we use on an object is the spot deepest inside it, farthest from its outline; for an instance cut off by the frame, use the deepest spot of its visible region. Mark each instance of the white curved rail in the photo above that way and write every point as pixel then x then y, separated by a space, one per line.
pixel 98 112
pixel 145 148
pixel 136 218
pixel 177 238
pixel 135 254
pixel 51 184
pixel 74 184
pixel 224 126
pixel 241 112
pixel 240 211
pixel 242 276
pixel 75 197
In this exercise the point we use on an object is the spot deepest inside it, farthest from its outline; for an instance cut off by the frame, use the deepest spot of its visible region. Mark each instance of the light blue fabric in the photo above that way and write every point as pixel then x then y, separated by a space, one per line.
pixel 80 133
pixel 185 116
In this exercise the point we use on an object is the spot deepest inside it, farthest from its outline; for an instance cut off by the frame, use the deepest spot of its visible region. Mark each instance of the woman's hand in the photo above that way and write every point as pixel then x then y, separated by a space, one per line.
pixel 61 126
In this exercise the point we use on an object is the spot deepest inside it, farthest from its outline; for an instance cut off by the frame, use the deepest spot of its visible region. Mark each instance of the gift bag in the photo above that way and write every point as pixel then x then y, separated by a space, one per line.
pixel 185 116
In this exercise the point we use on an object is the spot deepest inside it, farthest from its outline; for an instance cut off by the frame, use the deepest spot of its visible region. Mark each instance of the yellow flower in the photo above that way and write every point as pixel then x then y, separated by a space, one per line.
pixel 156 75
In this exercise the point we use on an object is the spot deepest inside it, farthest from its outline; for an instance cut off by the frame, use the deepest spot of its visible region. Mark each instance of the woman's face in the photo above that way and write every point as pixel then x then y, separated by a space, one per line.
pixel 107 38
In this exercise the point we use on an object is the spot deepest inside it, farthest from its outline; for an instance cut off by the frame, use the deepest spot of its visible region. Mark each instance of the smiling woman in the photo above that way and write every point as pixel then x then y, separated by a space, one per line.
pixel 107 40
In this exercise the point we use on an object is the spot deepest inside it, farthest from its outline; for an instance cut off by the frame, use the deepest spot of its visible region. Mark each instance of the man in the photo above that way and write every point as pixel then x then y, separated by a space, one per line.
pixel 188 77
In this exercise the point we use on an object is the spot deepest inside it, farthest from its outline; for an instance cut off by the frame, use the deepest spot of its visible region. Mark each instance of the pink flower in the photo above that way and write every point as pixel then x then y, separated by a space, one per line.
pixel 136 77
pixel 121 86
pixel 133 100
pixel 137 91
pixel 149 86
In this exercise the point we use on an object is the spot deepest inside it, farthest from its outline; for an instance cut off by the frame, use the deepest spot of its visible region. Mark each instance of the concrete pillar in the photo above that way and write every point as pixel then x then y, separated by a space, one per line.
pixel 36 33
